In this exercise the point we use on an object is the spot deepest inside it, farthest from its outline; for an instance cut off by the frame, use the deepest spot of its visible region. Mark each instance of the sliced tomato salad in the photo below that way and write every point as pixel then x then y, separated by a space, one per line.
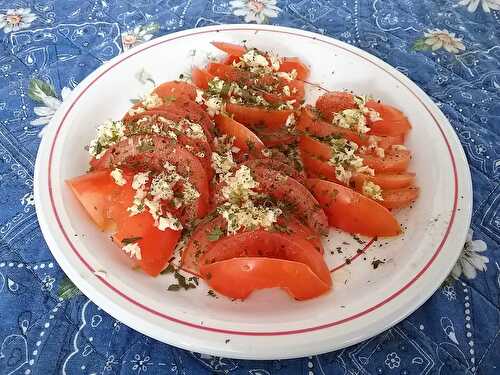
pixel 245 179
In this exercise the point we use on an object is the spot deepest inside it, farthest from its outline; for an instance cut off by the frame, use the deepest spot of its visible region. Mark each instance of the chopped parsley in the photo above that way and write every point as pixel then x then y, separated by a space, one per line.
pixel 127 241
pixel 215 234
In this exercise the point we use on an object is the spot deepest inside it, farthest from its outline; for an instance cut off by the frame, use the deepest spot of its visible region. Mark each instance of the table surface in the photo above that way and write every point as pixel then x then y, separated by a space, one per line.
pixel 450 48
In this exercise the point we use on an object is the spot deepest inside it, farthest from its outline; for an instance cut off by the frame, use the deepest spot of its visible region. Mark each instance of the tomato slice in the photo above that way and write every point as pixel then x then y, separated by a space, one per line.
pixel 318 168
pixel 290 63
pixel 315 147
pixel 131 153
pixel 230 59
pixel 230 73
pixel 351 211
pixel 175 89
pixel 297 93
pixel 263 243
pixel 393 122
pixel 331 103
pixel 201 77
pixel 276 165
pixel 275 137
pixel 394 161
pixel 156 246
pixel 286 189
pixel 239 277
pixel 244 138
pixel 387 141
pixel 97 191
pixel 258 116
pixel 385 180
pixel 230 48
pixel 310 123
pixel 399 198
pixel 199 243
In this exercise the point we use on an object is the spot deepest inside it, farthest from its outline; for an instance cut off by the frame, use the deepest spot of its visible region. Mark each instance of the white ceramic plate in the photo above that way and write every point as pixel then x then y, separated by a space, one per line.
pixel 268 325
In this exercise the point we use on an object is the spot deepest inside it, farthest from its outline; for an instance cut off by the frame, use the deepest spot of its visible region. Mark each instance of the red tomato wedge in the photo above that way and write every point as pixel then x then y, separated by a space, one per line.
pixel 97 191
pixel 244 138
pixel 393 122
pixel 230 48
pixel 201 77
pixel 273 138
pixel 230 59
pixel 287 189
pixel 387 141
pixel 310 123
pixel 276 165
pixel 297 93
pixel 399 198
pixel 263 243
pixel 351 211
pixel 394 161
pixel 315 147
pixel 239 277
pixel 176 89
pixel 131 153
pixel 293 63
pixel 199 243
pixel 318 168
pixel 230 73
pixel 156 246
pixel 333 102
pixel 385 180
pixel 258 116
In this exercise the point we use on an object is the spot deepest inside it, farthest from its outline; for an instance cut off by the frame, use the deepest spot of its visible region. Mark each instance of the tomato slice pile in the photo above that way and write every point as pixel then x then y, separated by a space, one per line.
pixel 247 175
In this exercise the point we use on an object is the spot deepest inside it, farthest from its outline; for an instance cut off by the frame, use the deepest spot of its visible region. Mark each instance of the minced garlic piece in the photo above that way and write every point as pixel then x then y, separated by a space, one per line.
pixel 222 163
pixel 399 147
pixel 254 59
pixel 214 105
pixel 117 176
pixel 372 190
pixel 151 101
pixel 274 60
pixel 286 90
pixel 290 121
pixel 361 103
pixel 351 119
pixel 344 160
pixel 248 216
pixel 239 187
pixel 108 134
pixel 289 76
pixel 133 250
pixel 189 193
pixel 136 111
pixel 199 96
pixel 140 179
pixel 170 222
pixel 194 130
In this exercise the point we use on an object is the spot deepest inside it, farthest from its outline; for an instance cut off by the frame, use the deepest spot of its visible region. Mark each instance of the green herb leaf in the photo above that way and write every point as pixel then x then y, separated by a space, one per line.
pixel 173 287
pixel 280 228
pixel 420 45
pixel 145 146
pixel 38 89
pixel 215 234
pixel 67 289
pixel 170 269
pixel 211 293
pixel 127 241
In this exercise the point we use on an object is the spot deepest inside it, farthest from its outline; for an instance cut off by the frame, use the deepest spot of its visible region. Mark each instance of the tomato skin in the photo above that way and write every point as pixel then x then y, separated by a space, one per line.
pixel 239 277
pixel 387 141
pixel 273 138
pixel 385 180
pixel 276 165
pixel 333 102
pixel 310 123
pixel 199 243
pixel 315 147
pixel 201 77
pixel 319 168
pixel 393 123
pixel 394 161
pixel 97 191
pixel 297 93
pixel 400 198
pixel 290 63
pixel 263 243
pixel 229 73
pixel 176 89
pixel 242 135
pixel 230 48
pixel 157 246
pixel 351 211
pixel 258 116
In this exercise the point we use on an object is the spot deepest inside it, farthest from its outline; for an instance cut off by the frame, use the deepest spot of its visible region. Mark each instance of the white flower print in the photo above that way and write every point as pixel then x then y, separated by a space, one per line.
pixel 47 283
pixel 436 39
pixel 255 10
pixel 449 292
pixel 138 35
pixel 392 360
pixel 16 19
pixel 42 92
pixel 28 199
pixel 487 5
pixel 470 260
pixel 141 363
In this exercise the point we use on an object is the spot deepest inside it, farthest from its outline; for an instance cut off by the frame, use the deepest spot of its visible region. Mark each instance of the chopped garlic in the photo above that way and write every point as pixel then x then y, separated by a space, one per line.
pixel 239 187
pixel 222 163
pixel 189 193
pixel 133 250
pixel 266 152
pixel 275 61
pixel 351 119
pixel 214 105
pixel 140 179
pixel 199 96
pixel 170 222
pixel 399 147
pixel 254 59
pixel 344 159
pixel 372 190
pixel 361 101
pixel 290 121
pixel 248 216
pixel 286 90
pixel 289 76
pixel 194 130
pixel 151 101
pixel 108 134
pixel 117 176
pixel 136 111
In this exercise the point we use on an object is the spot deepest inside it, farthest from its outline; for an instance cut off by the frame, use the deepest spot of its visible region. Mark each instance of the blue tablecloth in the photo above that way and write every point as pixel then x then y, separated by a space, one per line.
pixel 451 48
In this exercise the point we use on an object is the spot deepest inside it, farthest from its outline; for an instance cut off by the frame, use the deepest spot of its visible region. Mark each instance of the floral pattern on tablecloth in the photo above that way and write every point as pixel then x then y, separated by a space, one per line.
pixel 451 48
